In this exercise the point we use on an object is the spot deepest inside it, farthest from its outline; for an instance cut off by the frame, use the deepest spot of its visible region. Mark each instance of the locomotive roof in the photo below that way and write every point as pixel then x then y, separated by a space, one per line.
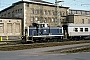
pixel 39 23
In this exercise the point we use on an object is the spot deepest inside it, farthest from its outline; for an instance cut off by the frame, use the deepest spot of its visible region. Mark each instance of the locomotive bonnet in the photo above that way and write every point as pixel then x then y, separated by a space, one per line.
pixel 43 32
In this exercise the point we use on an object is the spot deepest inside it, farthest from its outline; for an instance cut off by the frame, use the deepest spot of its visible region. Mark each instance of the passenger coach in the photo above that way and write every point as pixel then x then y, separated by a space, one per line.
pixel 77 31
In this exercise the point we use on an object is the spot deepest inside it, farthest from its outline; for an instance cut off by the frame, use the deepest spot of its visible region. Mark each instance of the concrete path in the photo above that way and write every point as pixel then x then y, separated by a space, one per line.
pixel 36 54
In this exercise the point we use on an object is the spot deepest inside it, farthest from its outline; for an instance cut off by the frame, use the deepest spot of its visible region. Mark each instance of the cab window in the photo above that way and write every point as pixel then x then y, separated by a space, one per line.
pixel 76 29
pixel 81 29
pixel 86 29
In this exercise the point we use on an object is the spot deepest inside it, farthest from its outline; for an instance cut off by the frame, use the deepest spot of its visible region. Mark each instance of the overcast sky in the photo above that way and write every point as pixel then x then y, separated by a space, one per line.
pixel 73 4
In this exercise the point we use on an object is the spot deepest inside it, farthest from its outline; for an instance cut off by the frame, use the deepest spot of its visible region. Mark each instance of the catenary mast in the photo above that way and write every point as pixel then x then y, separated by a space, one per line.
pixel 57 15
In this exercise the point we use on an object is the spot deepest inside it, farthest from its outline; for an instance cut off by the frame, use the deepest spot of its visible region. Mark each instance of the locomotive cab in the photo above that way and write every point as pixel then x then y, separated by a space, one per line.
pixel 40 25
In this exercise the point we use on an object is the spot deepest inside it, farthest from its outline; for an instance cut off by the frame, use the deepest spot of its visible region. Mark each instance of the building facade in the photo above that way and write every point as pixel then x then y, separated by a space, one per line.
pixel 44 12
pixel 33 12
pixel 10 28
pixel 79 17
pixel 80 12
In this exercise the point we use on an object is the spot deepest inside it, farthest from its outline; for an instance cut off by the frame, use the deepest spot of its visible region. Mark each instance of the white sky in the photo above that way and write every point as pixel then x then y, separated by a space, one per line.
pixel 73 4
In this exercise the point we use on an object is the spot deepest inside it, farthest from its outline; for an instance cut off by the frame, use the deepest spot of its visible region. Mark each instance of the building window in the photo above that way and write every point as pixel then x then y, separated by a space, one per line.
pixel 86 29
pixel 9 29
pixel 60 13
pixel 1 15
pixel 63 13
pixel 12 12
pixel 82 21
pixel 45 12
pixel 88 13
pixel 16 11
pixel 52 19
pixel 53 13
pixel 5 15
pixel 76 29
pixel 20 10
pixel 9 21
pixel 8 13
pixel 36 18
pixel 0 20
pixel 32 19
pixel 27 4
pixel 49 19
pixel 32 11
pixel 41 19
pixel 36 11
pixel 41 11
pixel 1 27
pixel 88 21
pixel 45 20
pixel 63 20
pixel 83 12
pixel 81 29
pixel 49 12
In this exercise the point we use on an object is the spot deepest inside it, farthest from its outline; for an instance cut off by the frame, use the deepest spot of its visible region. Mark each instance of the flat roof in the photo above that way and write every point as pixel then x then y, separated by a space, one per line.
pixel 32 2
pixel 79 15
pixel 9 18
pixel 80 10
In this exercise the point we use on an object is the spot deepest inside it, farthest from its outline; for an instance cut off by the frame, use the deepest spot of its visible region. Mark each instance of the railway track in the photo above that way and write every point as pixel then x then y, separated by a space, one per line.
pixel 10 47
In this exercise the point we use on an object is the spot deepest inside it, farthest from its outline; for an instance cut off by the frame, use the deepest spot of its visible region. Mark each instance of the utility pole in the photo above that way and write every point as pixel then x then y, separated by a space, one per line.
pixel 57 15
pixel 41 14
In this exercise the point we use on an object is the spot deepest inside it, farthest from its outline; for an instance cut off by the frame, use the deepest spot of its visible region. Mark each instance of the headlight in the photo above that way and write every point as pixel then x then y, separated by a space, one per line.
pixel 44 30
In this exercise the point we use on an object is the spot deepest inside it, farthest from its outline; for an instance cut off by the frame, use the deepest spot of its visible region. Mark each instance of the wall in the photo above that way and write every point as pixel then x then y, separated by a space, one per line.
pixel 77 19
pixel 10 27
pixel 17 10
pixel 47 15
